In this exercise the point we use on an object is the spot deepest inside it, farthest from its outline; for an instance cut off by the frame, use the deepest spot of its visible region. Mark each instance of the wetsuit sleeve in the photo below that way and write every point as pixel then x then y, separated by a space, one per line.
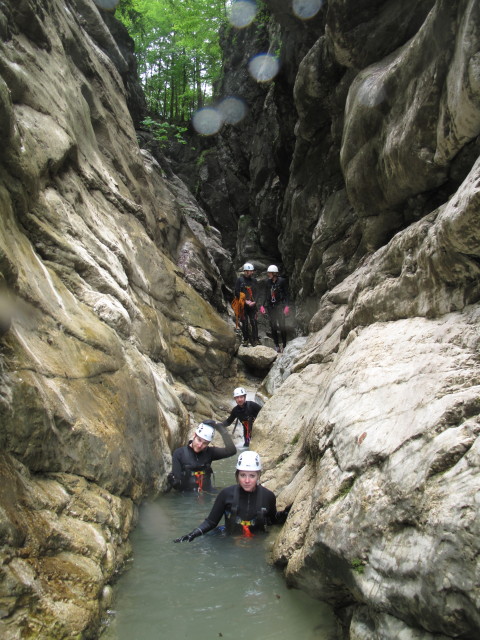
pixel 253 409
pixel 284 292
pixel 238 286
pixel 216 513
pixel 229 420
pixel 177 466
pixel 218 453
pixel 271 506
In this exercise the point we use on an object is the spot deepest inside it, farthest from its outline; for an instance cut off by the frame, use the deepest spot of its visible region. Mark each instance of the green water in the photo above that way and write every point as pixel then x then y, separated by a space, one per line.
pixel 214 587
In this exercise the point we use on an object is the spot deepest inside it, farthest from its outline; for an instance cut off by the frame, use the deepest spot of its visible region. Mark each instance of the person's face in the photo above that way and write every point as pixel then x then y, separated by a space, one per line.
pixel 247 274
pixel 240 400
pixel 271 275
pixel 248 480
pixel 199 444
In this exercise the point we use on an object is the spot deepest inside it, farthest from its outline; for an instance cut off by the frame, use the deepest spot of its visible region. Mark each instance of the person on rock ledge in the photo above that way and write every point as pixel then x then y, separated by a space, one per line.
pixel 192 464
pixel 276 305
pixel 248 507
pixel 246 288
pixel 245 411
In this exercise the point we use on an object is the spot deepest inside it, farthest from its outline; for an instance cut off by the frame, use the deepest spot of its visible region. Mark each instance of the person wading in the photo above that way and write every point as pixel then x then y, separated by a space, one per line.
pixel 245 411
pixel 247 506
pixel 246 290
pixel 192 464
pixel 276 305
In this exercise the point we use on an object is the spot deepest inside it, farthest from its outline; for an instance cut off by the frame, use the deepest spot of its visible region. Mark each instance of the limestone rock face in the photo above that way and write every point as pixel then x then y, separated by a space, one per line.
pixel 111 337
pixel 371 432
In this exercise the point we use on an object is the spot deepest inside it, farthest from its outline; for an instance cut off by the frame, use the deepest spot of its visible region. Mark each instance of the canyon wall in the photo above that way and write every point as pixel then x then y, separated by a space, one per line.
pixel 114 329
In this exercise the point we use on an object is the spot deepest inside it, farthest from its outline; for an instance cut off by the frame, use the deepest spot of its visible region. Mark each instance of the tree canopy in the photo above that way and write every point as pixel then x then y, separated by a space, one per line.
pixel 178 51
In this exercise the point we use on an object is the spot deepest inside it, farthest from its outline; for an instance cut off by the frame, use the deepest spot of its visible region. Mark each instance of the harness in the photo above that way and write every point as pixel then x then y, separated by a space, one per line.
pixel 233 521
pixel 197 476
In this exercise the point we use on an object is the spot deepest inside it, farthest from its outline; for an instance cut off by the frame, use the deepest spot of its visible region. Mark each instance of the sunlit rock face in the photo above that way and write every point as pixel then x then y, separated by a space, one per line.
pixel 372 429
pixel 111 337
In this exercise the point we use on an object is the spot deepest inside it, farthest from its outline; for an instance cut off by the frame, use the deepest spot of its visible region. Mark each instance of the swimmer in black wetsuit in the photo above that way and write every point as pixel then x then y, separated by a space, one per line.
pixel 245 411
pixel 192 464
pixel 247 506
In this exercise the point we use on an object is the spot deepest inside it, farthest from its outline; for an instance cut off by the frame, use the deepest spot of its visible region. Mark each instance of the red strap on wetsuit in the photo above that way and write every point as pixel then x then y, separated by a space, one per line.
pixel 199 475
pixel 246 533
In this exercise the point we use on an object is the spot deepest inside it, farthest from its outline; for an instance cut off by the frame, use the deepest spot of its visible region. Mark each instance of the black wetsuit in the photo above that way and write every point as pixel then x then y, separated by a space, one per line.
pixel 276 299
pixel 246 414
pixel 192 471
pixel 249 287
pixel 255 509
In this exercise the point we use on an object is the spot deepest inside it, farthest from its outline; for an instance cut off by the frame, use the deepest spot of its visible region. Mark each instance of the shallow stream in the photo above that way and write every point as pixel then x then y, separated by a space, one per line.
pixel 214 587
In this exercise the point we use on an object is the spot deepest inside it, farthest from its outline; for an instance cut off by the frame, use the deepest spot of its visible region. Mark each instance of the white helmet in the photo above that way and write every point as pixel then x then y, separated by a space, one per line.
pixel 248 266
pixel 239 391
pixel 205 431
pixel 249 461
pixel 272 269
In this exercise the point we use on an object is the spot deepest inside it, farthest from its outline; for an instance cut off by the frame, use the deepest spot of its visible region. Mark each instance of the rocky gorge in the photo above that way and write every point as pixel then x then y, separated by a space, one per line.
pixel 356 169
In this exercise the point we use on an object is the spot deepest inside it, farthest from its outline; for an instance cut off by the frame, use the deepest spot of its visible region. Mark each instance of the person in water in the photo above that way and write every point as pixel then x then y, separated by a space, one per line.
pixel 192 464
pixel 245 411
pixel 248 507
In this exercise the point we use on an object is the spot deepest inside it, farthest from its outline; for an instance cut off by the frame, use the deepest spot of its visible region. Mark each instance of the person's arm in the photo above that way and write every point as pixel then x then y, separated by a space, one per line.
pixel 253 409
pixel 175 477
pixel 229 420
pixel 223 452
pixel 238 287
pixel 210 521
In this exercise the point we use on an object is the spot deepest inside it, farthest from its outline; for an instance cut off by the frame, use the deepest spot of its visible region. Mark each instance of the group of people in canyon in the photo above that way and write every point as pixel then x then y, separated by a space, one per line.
pixel 247 506
pixel 271 300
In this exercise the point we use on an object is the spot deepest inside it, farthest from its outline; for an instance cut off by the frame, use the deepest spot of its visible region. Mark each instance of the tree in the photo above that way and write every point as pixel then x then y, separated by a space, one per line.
pixel 178 52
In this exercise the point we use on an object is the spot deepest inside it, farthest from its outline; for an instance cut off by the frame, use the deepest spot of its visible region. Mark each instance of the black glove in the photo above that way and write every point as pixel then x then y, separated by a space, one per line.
pixel 172 481
pixel 281 516
pixel 190 536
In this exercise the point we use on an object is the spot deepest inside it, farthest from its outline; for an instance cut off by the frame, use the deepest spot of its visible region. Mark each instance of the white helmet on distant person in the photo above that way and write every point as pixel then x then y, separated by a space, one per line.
pixel 248 266
pixel 205 431
pixel 239 391
pixel 249 461
pixel 272 269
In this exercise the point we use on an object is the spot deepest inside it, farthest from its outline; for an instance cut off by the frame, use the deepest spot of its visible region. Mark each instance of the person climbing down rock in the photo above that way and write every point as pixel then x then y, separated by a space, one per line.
pixel 246 291
pixel 192 464
pixel 248 507
pixel 245 412
pixel 276 305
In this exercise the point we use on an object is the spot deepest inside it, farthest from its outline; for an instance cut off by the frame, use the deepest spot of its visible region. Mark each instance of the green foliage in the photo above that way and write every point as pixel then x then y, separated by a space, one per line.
pixel 357 565
pixel 178 51
pixel 163 132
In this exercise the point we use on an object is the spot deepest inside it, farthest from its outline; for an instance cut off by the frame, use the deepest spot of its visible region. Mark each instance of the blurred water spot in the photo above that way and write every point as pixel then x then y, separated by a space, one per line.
pixel 305 9
pixel 232 109
pixel 263 67
pixel 207 121
pixel 106 4
pixel 242 13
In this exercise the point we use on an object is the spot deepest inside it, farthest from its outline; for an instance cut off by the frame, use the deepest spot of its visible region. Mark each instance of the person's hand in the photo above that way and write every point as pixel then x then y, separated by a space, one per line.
pixel 188 537
pixel 250 303
pixel 262 310
pixel 286 310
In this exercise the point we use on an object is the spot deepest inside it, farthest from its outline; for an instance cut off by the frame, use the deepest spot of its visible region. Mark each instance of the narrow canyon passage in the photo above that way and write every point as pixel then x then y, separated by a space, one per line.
pixel 215 587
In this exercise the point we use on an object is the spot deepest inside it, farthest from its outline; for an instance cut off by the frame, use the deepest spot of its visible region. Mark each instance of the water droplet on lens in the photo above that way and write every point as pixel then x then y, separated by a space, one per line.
pixel 263 67
pixel 242 13
pixel 207 121
pixel 232 109
pixel 305 9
